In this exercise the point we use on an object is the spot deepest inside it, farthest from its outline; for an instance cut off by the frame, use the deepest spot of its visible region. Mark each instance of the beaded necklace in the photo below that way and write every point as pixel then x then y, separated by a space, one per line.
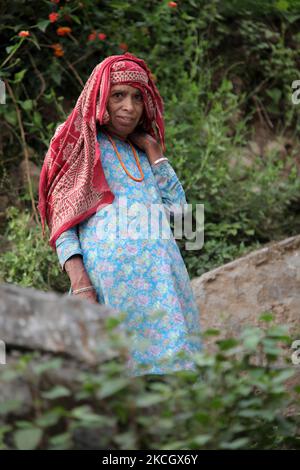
pixel 120 159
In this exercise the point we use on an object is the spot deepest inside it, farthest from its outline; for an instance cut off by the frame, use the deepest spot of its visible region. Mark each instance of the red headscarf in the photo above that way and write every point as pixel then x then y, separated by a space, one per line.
pixel 72 183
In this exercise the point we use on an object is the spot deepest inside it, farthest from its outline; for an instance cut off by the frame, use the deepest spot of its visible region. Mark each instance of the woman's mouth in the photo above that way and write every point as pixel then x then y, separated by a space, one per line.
pixel 125 120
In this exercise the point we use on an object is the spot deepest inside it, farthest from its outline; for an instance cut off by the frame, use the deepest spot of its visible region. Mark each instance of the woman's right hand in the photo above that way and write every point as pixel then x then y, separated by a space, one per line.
pixel 90 295
pixel 79 278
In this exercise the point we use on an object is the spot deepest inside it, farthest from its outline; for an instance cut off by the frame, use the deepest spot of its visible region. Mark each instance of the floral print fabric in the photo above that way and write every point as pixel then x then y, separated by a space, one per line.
pixel 141 275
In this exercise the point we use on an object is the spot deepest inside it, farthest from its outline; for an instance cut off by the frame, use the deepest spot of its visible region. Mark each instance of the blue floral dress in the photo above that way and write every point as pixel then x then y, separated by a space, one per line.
pixel 140 274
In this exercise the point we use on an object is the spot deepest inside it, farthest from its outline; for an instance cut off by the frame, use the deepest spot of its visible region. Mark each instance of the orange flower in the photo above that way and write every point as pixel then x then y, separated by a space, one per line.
pixel 123 46
pixel 101 36
pixel 53 17
pixel 58 50
pixel 172 4
pixel 24 34
pixel 92 36
pixel 63 30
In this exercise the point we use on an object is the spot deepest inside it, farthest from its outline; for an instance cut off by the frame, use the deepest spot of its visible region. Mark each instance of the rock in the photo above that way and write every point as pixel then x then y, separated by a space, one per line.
pixel 237 293
pixel 51 326
pixel 56 323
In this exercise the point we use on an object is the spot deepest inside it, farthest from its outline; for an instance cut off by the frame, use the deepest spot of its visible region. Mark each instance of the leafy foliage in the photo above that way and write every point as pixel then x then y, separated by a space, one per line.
pixel 235 399
pixel 196 50
pixel 29 261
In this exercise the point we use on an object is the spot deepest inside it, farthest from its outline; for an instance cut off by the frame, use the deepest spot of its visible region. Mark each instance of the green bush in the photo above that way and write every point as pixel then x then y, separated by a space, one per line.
pixel 29 261
pixel 236 399
pixel 196 51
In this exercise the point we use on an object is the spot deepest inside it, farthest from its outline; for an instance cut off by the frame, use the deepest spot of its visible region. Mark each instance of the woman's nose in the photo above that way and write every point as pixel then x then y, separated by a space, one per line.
pixel 128 104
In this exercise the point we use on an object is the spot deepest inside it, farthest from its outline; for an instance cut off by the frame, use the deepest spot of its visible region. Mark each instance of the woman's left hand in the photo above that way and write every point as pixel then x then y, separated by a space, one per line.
pixel 143 140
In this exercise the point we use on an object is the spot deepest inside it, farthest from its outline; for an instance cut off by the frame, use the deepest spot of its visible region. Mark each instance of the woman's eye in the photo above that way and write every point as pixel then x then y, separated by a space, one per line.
pixel 139 97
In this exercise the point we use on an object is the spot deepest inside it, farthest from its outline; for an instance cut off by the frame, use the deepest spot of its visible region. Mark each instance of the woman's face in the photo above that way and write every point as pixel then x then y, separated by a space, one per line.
pixel 125 107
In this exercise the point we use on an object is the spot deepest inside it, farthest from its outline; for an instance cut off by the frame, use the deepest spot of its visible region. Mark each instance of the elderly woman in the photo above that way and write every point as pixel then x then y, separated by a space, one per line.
pixel 105 156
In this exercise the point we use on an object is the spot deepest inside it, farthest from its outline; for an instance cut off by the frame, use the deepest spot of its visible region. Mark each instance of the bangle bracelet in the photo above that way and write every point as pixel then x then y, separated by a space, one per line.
pixel 159 160
pixel 83 289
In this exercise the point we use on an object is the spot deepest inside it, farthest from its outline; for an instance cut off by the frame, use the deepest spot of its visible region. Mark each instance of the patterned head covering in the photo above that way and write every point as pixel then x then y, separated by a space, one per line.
pixel 72 183
pixel 130 73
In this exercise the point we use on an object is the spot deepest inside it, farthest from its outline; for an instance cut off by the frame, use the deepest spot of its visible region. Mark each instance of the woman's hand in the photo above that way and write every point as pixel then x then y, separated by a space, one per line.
pixel 90 295
pixel 79 278
pixel 143 140
pixel 148 144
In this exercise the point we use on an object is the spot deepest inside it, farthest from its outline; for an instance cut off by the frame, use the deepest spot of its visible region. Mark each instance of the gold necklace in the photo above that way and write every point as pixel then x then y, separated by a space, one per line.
pixel 135 156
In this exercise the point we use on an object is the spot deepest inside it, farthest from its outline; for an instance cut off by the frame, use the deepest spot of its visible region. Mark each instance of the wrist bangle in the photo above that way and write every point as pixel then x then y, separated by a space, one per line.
pixel 83 289
pixel 159 160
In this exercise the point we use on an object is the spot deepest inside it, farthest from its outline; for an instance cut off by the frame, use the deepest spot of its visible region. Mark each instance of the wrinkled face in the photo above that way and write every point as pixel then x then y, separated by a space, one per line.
pixel 125 107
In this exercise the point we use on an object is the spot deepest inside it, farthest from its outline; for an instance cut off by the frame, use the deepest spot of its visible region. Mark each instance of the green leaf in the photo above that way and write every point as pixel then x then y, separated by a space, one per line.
pixel 266 316
pixel 283 375
pixel 37 119
pixel 227 344
pixel 85 414
pixel 49 419
pixel 251 342
pixel 251 337
pixel 22 424
pixel 27 105
pixel 42 25
pixel 275 94
pixel 211 332
pixel 43 367
pixel 57 392
pixel 11 117
pixel 27 439
pixel 149 400
pixel 273 352
pixel 110 387
pixel 237 444
pixel 282 5
pixel 18 77
pixel 200 440
pixel 111 323
pixel 76 19
pixel 10 49
pixel 9 406
pixel 64 440
pixel 10 374
pixel 280 332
